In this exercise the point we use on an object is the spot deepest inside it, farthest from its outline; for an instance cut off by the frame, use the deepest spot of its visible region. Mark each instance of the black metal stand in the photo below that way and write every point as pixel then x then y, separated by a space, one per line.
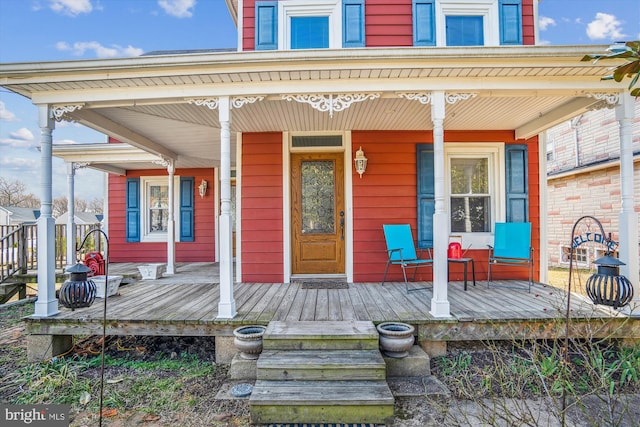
pixel 104 310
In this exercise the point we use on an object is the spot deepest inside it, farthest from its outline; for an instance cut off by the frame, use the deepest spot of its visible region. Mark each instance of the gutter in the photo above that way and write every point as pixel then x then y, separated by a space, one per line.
pixel 591 167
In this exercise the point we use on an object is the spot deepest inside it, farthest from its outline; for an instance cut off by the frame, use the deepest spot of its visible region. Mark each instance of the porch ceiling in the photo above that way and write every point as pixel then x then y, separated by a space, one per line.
pixel 145 101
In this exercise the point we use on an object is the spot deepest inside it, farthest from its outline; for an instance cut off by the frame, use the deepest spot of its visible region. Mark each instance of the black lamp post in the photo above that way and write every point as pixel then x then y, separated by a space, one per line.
pixel 78 291
pixel 605 287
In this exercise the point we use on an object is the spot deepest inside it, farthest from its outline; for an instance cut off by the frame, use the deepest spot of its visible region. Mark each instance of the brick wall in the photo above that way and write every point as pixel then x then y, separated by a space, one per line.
pixel 592 187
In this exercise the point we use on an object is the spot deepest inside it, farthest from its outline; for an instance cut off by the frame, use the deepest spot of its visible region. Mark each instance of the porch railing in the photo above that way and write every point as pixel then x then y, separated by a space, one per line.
pixel 19 247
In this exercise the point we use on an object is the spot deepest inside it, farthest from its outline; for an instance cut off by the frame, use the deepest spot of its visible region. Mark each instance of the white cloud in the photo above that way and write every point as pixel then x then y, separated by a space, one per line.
pixel 71 7
pixel 19 163
pixel 22 138
pixel 545 22
pixel 178 8
pixel 605 26
pixel 79 49
pixel 6 115
pixel 22 134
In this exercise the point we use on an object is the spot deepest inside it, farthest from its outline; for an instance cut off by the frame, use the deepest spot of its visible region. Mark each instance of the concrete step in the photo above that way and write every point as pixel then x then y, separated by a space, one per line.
pixel 286 365
pixel 310 335
pixel 321 402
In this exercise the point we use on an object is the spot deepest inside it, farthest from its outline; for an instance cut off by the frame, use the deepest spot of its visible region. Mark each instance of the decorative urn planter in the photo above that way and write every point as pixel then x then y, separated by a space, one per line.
pixel 396 339
pixel 248 340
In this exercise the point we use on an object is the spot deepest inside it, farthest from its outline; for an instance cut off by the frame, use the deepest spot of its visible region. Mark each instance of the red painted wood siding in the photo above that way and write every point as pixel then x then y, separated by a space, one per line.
pixel 387 194
pixel 248 25
pixel 202 249
pixel 528 23
pixel 262 216
pixel 388 23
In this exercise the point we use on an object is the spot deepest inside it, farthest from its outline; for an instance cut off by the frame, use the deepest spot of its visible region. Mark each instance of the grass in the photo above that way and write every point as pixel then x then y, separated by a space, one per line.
pixel 559 278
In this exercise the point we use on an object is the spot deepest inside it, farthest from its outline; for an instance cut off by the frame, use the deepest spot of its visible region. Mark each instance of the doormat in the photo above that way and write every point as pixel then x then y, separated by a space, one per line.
pixel 324 284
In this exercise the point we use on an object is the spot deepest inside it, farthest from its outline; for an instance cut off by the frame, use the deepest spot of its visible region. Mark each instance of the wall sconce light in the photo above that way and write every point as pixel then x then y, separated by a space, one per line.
pixel 360 162
pixel 202 188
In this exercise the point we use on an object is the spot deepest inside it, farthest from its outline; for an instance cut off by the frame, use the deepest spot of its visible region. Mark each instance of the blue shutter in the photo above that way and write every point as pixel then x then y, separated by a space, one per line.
pixel 133 210
pixel 353 23
pixel 510 22
pixel 186 209
pixel 426 195
pixel 266 22
pixel 517 183
pixel 424 24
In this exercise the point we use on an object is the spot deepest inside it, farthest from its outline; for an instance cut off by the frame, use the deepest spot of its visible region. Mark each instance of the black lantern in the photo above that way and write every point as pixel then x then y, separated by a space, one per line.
pixel 607 286
pixel 78 291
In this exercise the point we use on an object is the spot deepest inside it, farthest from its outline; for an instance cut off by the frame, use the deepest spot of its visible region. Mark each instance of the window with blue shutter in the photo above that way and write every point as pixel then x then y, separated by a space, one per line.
pixel 517 183
pixel 426 195
pixel 510 22
pixel 353 23
pixel 266 25
pixel 187 209
pixel 424 24
pixel 133 210
pixel 465 30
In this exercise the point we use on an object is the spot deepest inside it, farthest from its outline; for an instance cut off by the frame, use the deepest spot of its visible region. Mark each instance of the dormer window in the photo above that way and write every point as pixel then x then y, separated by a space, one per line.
pixel 309 24
pixel 468 23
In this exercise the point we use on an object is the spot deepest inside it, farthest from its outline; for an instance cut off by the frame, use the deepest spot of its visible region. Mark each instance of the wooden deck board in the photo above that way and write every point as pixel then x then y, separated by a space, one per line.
pixel 295 312
pixel 285 304
pixel 177 305
pixel 309 308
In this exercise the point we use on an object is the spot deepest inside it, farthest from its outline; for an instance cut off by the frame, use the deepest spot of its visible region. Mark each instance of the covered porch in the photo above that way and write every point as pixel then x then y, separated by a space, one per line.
pixel 186 304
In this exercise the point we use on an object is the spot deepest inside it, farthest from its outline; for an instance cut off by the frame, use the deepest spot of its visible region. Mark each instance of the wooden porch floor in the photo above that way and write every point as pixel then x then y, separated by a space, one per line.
pixel 187 304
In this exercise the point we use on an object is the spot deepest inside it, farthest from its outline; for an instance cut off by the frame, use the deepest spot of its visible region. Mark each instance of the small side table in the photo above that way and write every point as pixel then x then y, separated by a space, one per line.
pixel 465 262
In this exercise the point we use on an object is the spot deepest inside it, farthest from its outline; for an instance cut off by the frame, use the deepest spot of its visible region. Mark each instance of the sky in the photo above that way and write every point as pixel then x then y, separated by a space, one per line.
pixel 53 30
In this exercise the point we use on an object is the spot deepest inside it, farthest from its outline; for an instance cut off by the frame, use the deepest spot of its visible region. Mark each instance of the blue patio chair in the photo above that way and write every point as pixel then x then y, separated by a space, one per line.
pixel 402 251
pixel 512 247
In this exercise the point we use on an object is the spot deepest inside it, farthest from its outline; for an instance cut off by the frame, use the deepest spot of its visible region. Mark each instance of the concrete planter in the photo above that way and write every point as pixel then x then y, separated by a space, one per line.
pixel 396 339
pixel 248 340
pixel 152 271
pixel 112 287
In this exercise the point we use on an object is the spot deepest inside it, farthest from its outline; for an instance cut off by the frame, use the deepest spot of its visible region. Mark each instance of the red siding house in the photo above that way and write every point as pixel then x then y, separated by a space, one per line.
pixel 247 158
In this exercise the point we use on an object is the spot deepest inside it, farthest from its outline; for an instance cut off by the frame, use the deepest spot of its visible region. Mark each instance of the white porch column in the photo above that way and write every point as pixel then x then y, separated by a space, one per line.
pixel 227 305
pixel 439 302
pixel 47 304
pixel 171 231
pixel 71 223
pixel 628 218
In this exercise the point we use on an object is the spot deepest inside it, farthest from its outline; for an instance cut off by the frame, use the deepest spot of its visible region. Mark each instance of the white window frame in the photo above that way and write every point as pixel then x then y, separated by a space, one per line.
pixel 145 183
pixel 494 152
pixel 581 256
pixel 301 8
pixel 488 9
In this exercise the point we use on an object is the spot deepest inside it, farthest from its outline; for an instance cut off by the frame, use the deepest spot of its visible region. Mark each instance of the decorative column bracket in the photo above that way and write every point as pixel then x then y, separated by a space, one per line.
pixel 605 100
pixel 422 97
pixel 425 97
pixel 162 162
pixel 452 98
pixel 331 103
pixel 62 112
pixel 80 165
pixel 236 101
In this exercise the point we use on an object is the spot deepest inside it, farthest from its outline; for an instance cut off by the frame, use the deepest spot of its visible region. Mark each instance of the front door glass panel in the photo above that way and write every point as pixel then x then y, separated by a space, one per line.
pixel 318 197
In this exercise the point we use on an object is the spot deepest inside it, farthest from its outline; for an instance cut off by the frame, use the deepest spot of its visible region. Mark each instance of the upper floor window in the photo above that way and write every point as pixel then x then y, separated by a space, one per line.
pixel 468 23
pixel 309 24
pixel 465 31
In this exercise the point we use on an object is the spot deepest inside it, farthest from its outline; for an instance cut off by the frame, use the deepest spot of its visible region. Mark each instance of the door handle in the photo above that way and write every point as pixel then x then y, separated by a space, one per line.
pixel 341 225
